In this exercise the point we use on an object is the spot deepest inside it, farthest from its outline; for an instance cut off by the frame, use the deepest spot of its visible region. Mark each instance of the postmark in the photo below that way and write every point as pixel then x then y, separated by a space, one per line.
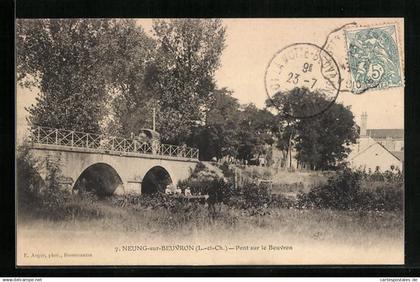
pixel 373 58
pixel 303 68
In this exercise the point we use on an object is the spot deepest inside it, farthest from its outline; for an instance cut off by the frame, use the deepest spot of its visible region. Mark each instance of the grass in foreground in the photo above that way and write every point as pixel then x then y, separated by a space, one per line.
pixel 345 227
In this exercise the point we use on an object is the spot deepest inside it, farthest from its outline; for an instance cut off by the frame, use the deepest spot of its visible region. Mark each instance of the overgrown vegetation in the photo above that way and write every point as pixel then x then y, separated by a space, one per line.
pixel 29 182
pixel 204 181
pixel 48 198
pixel 356 190
pixel 252 199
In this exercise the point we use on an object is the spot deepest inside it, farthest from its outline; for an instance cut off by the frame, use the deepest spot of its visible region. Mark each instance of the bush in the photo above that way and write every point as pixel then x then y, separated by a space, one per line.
pixel 80 206
pixel 288 187
pixel 340 192
pixel 256 195
pixel 227 171
pixel 393 175
pixel 53 197
pixel 199 167
pixel 279 201
pixel 170 212
pixel 35 195
pixel 387 196
pixel 354 190
pixel 253 198
pixel 203 181
pixel 48 199
pixel 28 181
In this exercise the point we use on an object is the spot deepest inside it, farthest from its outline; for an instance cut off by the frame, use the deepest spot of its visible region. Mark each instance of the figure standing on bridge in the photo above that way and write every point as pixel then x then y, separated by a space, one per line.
pixel 183 150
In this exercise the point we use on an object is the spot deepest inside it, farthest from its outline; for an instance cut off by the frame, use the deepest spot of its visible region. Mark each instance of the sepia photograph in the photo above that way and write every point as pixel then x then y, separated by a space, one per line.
pixel 216 141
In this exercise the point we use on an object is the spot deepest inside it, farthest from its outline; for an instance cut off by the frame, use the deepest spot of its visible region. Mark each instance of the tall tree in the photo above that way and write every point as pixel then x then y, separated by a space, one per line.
pixel 320 140
pixel 243 132
pixel 285 132
pixel 217 137
pixel 324 140
pixel 255 132
pixel 189 53
pixel 131 53
pixel 66 60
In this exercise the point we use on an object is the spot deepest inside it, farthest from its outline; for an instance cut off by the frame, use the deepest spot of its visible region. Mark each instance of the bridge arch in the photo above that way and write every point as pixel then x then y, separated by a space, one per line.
pixel 155 180
pixel 100 178
pixel 130 168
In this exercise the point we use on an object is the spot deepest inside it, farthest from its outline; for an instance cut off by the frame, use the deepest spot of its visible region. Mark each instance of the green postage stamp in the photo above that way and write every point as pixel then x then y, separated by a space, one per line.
pixel 373 58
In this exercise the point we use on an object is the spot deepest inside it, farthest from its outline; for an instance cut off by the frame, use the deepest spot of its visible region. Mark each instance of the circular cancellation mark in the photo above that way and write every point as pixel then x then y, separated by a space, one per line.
pixel 299 69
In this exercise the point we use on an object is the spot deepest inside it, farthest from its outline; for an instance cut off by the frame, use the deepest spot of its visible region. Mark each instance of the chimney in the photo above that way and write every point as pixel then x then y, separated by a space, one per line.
pixel 363 125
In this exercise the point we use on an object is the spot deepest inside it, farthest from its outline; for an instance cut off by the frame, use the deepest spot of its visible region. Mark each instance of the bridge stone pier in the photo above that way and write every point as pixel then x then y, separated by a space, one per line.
pixel 117 171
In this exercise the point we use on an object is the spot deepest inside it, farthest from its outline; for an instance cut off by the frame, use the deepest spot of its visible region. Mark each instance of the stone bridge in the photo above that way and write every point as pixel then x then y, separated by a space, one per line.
pixel 111 164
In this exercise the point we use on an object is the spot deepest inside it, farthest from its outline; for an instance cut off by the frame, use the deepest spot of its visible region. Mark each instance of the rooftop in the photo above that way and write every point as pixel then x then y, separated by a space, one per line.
pixel 399 155
pixel 384 133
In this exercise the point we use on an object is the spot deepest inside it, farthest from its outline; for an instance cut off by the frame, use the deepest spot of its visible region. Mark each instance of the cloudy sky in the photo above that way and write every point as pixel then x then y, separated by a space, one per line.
pixel 251 43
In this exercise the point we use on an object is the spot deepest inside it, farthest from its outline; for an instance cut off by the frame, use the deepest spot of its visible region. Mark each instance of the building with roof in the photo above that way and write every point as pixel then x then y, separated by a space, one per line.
pixel 392 139
pixel 370 155
pixel 377 149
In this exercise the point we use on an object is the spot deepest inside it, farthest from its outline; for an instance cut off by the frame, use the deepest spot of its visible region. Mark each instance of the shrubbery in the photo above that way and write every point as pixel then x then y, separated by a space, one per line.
pixel 35 195
pixel 340 192
pixel 355 190
pixel 385 196
pixel 251 196
pixel 151 201
pixel 28 181
pixel 256 199
pixel 203 181
pixel 393 175
pixel 48 199
pixel 289 187
pixel 227 171
pixel 172 212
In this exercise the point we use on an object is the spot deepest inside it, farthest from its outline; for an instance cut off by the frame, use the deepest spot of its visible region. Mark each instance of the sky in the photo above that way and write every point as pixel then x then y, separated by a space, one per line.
pixel 250 45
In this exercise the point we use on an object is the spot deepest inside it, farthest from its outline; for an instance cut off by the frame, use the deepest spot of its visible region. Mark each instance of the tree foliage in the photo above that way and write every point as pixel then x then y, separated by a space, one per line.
pixel 97 73
pixel 188 54
pixel 81 66
pixel 132 54
pixel 66 60
pixel 321 140
pixel 324 140
pixel 217 137
pixel 255 132
pixel 231 129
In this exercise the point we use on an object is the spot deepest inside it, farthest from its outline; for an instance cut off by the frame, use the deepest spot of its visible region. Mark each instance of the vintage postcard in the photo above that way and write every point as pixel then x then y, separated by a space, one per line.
pixel 210 141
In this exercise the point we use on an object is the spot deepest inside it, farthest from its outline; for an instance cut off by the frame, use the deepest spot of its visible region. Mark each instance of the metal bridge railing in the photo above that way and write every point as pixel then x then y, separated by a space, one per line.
pixel 101 143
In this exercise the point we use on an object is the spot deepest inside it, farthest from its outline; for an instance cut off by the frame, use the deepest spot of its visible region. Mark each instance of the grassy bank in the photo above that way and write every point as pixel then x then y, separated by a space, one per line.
pixel 349 227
